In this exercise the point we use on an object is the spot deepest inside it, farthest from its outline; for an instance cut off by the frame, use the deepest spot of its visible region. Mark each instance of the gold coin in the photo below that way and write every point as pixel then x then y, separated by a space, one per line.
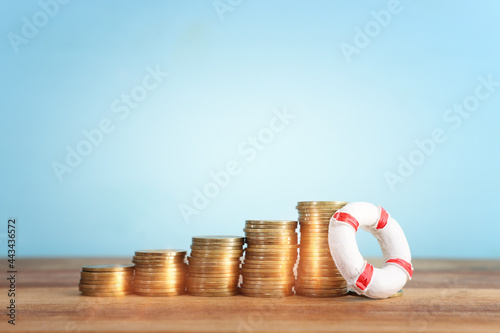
pixel 320 287
pixel 227 277
pixel 92 287
pixel 153 264
pixel 262 287
pixel 268 284
pixel 104 282
pixel 322 203
pixel 106 274
pixel 269 231
pixel 265 294
pixel 269 275
pixel 213 271
pixel 103 288
pixel 166 260
pixel 107 278
pixel 317 208
pixel 317 290
pixel 313 277
pixel 162 294
pixel 271 227
pixel 215 261
pixel 315 214
pixel 153 285
pixel 318 295
pixel 319 271
pixel 216 247
pixel 160 284
pixel 233 257
pixel 271 237
pixel 281 280
pixel 251 243
pixel 314 221
pixel 218 252
pixel 272 262
pixel 272 252
pixel 157 265
pixel 274 246
pixel 211 284
pixel 271 222
pixel 277 266
pixel 246 269
pixel 212 287
pixel 310 280
pixel 161 253
pixel 159 290
pixel 305 266
pixel 314 230
pixel 160 277
pixel 216 278
pixel 311 233
pixel 229 266
pixel 314 247
pixel 214 294
pixel 218 239
pixel 160 269
pixel 108 268
pixel 272 256
pixel 315 252
pixel 307 243
pixel 113 294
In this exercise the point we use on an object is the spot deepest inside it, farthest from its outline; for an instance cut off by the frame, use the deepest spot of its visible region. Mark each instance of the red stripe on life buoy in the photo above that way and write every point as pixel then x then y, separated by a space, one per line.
pixel 347 218
pixel 403 263
pixel 365 278
pixel 384 216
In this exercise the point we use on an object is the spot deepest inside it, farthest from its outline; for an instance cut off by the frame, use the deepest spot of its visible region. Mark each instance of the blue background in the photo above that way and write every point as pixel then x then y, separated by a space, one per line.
pixel 353 120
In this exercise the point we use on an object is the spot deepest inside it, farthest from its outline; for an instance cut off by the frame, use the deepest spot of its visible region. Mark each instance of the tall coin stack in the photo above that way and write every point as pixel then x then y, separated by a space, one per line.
pixel 317 275
pixel 214 265
pixel 270 258
pixel 106 280
pixel 160 272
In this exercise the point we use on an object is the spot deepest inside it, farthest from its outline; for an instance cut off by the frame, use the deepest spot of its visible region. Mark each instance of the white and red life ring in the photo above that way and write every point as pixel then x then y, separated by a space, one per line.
pixel 359 274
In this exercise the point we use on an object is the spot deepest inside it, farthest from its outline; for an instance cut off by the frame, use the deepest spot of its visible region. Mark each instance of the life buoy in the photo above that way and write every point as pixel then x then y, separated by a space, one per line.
pixel 361 276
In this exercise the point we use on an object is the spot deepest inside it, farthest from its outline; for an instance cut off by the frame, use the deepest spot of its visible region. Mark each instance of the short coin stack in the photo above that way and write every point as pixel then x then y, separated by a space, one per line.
pixel 214 265
pixel 270 258
pixel 106 280
pixel 160 272
pixel 317 275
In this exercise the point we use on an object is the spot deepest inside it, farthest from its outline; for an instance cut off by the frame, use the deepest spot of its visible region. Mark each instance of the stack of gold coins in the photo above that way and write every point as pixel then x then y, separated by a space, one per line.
pixel 160 272
pixel 270 258
pixel 106 280
pixel 317 275
pixel 214 265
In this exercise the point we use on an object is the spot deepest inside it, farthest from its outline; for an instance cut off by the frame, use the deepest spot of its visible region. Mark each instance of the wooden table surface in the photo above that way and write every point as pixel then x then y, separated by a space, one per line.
pixel 444 296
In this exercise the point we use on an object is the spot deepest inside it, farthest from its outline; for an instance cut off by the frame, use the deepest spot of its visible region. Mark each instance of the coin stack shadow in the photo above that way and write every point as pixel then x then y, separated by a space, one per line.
pixel 160 272
pixel 317 275
pixel 270 257
pixel 106 280
pixel 214 266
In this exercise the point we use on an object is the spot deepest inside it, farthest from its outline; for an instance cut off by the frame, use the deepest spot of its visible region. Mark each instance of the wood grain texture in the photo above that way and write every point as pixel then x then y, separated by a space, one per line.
pixel 444 296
